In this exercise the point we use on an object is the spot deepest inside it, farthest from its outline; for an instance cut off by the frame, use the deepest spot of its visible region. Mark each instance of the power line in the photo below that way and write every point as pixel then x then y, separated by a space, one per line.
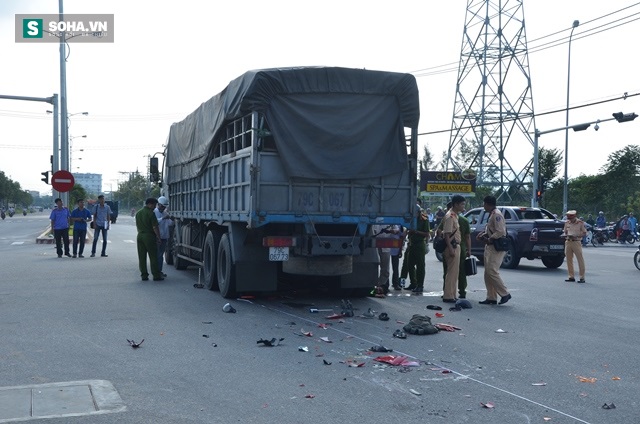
pixel 453 66
pixel 623 97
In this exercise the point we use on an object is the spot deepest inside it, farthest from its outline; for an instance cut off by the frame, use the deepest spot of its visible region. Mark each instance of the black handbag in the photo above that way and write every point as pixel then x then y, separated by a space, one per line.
pixel 471 265
pixel 501 244
pixel 439 245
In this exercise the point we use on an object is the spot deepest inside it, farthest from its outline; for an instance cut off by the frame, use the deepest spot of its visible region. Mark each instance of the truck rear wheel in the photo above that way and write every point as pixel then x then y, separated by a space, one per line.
pixel 210 260
pixel 226 269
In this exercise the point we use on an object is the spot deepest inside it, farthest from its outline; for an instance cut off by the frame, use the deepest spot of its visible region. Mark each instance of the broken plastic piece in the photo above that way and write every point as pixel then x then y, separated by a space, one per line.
pixel 446 327
pixel 439 314
pixel 538 384
pixel 306 333
pixel 334 316
pixel 135 345
pixel 303 349
pixel 325 339
pixel 228 308
pixel 609 406
pixel 397 361
pixel 380 348
pixel 500 330
pixel 324 361
pixel 310 396
pixel 270 343
pixel 415 392
pixel 323 326
pixel 488 405
pixel 587 379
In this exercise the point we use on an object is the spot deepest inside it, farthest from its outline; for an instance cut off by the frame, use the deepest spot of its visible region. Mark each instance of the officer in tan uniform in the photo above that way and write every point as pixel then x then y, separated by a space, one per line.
pixel 495 229
pixel 574 230
pixel 451 230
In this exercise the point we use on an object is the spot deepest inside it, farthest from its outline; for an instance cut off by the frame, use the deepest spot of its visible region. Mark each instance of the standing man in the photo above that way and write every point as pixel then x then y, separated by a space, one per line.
pixel 574 230
pixel 60 226
pixel 148 240
pixel 451 234
pixel 465 252
pixel 415 253
pixel 164 222
pixel 101 222
pixel 496 228
pixel 79 216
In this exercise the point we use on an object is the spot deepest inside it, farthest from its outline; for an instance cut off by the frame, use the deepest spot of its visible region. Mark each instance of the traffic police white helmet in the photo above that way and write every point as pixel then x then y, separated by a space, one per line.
pixel 163 201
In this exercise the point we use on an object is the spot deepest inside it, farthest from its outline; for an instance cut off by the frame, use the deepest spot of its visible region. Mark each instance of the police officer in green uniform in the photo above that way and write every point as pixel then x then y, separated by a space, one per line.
pixel 148 240
pixel 414 257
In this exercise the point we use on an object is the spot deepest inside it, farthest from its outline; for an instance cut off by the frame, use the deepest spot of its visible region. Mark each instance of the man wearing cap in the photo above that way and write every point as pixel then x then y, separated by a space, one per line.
pixel 496 228
pixel 148 240
pixel 574 230
pixel 164 222
pixel 101 220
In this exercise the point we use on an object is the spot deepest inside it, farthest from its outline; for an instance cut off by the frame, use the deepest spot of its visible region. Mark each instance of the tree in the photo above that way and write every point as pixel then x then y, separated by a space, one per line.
pixel 549 163
pixel 78 192
pixel 133 192
pixel 426 163
pixel 621 180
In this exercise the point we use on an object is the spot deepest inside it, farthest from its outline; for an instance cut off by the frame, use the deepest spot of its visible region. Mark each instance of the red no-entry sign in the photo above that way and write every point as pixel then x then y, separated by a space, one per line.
pixel 62 181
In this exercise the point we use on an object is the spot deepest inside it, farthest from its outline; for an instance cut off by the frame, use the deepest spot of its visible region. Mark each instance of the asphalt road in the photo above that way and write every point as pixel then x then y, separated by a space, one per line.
pixel 566 349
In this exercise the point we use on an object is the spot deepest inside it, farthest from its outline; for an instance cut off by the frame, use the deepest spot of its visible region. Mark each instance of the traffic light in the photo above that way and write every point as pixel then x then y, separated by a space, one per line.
pixel 45 177
pixel 624 117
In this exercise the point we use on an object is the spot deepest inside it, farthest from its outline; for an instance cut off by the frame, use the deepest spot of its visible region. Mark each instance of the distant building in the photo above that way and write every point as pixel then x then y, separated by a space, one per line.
pixel 34 194
pixel 92 183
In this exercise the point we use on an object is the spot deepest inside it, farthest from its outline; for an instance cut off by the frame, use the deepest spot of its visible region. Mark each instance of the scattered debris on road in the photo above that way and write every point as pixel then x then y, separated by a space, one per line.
pixel 133 344
pixel 270 343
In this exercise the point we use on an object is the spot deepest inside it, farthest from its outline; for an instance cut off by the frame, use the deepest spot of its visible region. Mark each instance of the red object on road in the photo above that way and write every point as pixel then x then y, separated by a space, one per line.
pixel 62 181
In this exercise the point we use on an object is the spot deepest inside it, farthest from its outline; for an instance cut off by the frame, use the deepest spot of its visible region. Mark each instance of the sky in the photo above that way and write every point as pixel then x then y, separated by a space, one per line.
pixel 168 57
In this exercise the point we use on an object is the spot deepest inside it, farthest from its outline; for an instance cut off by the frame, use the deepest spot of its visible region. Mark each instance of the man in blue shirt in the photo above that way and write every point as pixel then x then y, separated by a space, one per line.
pixel 101 220
pixel 60 226
pixel 601 221
pixel 633 223
pixel 79 216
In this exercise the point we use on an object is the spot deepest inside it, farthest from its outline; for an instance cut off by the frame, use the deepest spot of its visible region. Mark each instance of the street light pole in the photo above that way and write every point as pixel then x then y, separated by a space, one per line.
pixel 565 193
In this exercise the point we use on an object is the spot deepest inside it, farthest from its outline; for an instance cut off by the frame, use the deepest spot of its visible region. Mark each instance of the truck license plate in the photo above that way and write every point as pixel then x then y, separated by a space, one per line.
pixel 278 253
pixel 557 247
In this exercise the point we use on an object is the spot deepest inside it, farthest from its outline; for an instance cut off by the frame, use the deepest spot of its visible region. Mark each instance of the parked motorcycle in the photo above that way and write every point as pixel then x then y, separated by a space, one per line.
pixel 2 214
pixel 636 258
pixel 600 236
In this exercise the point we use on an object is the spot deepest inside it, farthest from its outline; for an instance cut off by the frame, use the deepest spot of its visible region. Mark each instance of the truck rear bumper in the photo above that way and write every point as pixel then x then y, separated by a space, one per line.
pixel 318 265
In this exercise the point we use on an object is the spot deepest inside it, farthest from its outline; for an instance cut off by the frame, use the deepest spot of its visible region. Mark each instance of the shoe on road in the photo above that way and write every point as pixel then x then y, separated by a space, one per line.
pixel 488 302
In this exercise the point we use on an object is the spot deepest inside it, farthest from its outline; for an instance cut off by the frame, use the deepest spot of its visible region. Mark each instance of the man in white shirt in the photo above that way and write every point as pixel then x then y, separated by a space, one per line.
pixel 164 222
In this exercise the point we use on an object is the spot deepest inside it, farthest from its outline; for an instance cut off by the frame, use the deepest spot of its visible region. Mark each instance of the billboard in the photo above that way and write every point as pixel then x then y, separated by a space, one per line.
pixel 448 183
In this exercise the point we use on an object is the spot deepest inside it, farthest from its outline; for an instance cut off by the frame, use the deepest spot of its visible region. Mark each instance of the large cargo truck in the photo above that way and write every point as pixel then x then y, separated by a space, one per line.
pixel 283 174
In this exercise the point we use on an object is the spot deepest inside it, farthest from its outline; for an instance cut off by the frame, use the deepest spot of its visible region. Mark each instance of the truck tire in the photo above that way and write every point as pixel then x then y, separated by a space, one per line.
pixel 511 259
pixel 226 269
pixel 210 260
pixel 553 261
pixel 178 262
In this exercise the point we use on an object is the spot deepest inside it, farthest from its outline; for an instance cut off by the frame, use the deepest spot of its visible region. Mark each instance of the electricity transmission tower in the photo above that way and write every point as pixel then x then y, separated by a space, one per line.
pixel 493 120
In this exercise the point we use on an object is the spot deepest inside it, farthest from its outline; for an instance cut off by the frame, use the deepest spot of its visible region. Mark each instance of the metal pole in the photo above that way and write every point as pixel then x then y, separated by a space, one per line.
pixel 64 139
pixel 565 193
pixel 536 171
pixel 56 134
